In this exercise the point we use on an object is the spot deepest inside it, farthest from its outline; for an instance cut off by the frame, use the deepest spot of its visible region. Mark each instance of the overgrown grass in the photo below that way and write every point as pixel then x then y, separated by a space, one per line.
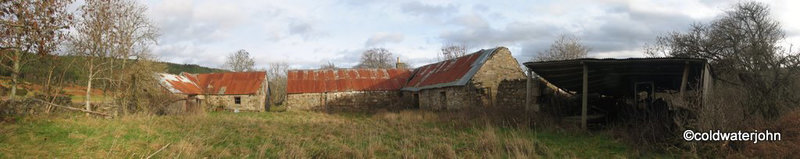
pixel 291 134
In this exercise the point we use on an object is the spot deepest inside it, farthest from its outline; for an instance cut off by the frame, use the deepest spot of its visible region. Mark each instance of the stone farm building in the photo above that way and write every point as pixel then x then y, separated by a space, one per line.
pixel 230 90
pixel 345 89
pixel 484 78
pixel 471 80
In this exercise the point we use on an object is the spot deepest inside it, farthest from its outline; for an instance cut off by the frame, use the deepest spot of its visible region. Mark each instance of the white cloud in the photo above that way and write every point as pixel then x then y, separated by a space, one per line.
pixel 420 9
pixel 383 38
pixel 306 33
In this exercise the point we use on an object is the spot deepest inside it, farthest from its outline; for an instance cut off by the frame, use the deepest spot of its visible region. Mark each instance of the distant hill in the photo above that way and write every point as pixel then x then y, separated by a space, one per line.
pixel 34 73
pixel 173 68
pixel 34 70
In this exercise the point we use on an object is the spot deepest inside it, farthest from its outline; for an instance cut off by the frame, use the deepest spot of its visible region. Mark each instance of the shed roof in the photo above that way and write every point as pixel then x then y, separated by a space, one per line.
pixel 608 76
pixel 453 72
pixel 227 83
pixel 340 80
pixel 178 84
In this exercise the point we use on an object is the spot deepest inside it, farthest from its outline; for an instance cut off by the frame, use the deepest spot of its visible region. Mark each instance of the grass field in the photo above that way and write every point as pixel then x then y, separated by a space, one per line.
pixel 291 134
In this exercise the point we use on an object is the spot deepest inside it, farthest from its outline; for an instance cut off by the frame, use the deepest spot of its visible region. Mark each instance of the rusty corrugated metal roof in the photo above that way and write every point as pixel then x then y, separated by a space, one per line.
pixel 342 80
pixel 214 83
pixel 453 72
pixel 178 84
pixel 229 82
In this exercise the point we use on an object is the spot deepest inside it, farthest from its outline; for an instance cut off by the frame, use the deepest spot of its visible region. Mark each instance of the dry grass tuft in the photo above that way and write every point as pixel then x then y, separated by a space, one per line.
pixel 488 141
pixel 522 148
pixel 788 147
pixel 442 151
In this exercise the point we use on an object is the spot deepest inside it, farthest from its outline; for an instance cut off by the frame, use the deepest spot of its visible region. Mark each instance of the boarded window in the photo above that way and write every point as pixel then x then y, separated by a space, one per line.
pixel 237 100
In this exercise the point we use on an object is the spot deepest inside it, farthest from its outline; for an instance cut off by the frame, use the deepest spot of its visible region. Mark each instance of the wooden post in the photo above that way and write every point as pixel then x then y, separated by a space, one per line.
pixel 529 91
pixel 707 83
pixel 685 79
pixel 536 88
pixel 585 96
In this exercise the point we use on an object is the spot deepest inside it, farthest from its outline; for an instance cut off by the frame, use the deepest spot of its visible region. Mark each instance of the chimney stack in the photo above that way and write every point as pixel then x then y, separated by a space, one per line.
pixel 399 64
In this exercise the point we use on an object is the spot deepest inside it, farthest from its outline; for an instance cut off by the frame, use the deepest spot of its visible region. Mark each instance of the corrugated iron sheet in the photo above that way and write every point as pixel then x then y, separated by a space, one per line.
pixel 342 80
pixel 214 83
pixel 178 84
pixel 453 72
pixel 229 82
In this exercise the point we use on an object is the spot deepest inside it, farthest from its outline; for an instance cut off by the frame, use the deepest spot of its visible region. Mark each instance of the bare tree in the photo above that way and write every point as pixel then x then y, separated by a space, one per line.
pixel 742 46
pixel 94 41
pixel 328 66
pixel 108 31
pixel 452 50
pixel 564 48
pixel 135 33
pixel 277 81
pixel 240 61
pixel 139 89
pixel 657 49
pixel 376 58
pixel 30 26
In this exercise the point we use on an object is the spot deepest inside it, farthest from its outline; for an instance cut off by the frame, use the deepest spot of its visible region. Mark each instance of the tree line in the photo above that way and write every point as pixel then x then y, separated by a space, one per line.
pixel 758 75
pixel 111 38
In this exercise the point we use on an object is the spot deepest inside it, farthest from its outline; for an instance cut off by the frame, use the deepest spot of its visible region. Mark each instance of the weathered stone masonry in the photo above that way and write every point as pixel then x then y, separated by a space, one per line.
pixel 511 93
pixel 500 67
pixel 450 98
pixel 247 102
pixel 346 101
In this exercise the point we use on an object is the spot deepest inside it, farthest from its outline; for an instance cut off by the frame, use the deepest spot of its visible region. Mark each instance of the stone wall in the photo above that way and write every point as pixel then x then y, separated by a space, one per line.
pixel 499 67
pixel 359 101
pixel 450 98
pixel 247 102
pixel 511 93
pixel 303 101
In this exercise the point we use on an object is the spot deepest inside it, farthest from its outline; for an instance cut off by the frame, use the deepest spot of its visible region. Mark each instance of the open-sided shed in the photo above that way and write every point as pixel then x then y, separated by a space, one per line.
pixel 621 78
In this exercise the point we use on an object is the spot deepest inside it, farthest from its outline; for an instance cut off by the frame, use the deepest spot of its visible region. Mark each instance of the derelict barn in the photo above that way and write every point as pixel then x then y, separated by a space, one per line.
pixel 609 88
pixel 472 80
pixel 230 90
pixel 484 78
pixel 181 88
pixel 345 89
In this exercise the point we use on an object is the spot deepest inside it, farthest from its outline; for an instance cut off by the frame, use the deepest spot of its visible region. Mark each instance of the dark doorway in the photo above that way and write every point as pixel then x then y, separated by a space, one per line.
pixel 415 101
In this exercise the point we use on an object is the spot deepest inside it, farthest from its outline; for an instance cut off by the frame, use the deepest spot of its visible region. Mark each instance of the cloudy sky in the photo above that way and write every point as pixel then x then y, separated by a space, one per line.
pixel 307 33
